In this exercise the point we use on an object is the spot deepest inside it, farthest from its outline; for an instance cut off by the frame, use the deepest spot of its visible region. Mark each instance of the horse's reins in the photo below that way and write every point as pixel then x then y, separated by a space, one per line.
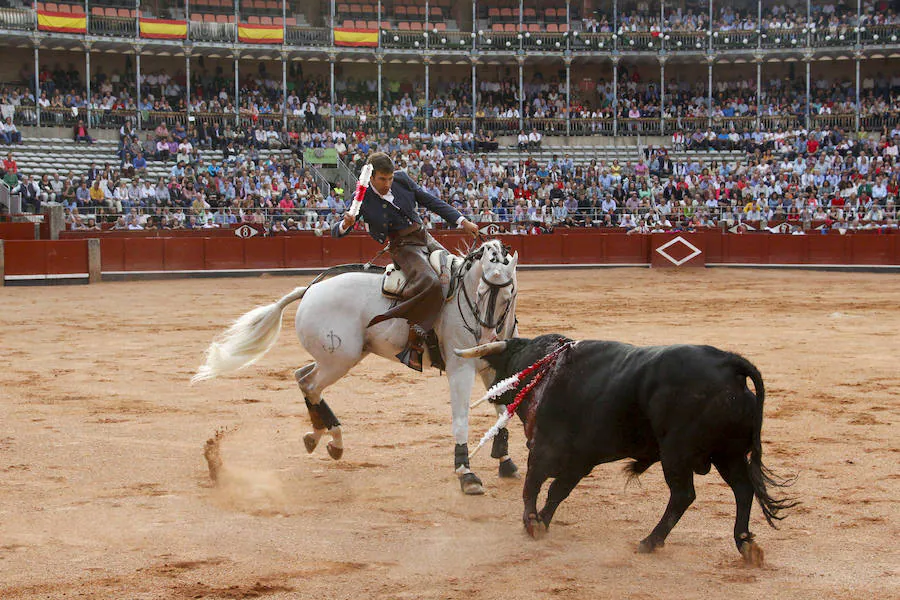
pixel 495 288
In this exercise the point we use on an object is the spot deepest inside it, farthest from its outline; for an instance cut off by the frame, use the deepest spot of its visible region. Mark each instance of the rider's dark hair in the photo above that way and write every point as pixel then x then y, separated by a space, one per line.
pixel 381 163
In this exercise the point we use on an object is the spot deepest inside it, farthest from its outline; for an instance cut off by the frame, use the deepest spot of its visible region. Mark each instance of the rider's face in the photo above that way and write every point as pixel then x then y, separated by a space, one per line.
pixel 382 182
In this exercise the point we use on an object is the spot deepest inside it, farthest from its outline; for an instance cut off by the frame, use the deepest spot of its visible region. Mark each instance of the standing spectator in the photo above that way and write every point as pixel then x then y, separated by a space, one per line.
pixel 10 165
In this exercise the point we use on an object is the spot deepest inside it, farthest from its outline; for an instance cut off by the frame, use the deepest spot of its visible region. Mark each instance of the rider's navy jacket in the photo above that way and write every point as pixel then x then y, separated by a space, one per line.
pixel 384 218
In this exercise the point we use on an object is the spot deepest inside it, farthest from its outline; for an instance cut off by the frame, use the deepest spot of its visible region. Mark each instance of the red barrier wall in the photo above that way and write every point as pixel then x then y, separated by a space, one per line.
pixel 137 254
pixel 16 231
pixel 43 257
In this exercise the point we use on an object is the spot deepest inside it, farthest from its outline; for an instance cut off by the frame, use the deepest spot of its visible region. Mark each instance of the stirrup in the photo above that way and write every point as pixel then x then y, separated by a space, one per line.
pixel 412 358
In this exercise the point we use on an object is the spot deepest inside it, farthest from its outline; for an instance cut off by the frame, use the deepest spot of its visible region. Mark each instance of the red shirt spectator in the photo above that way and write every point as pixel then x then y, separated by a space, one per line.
pixel 812 146
pixel 9 164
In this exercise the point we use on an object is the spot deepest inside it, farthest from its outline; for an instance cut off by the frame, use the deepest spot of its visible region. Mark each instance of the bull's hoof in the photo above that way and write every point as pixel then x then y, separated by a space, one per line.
pixel 470 484
pixel 310 441
pixel 535 527
pixel 647 546
pixel 752 553
pixel 509 470
pixel 334 451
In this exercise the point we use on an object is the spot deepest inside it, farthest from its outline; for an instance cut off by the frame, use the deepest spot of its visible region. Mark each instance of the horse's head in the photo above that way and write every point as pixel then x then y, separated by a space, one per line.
pixel 494 303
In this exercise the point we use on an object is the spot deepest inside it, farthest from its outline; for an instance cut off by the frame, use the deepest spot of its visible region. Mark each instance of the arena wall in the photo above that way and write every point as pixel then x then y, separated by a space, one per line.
pixel 142 256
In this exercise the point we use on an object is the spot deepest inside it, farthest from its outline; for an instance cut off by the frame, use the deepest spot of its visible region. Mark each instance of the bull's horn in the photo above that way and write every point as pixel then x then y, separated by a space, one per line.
pixel 482 350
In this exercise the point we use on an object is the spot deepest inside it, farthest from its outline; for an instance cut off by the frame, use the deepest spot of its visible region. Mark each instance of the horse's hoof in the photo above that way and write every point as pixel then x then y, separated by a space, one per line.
pixel 470 484
pixel 647 547
pixel 310 441
pixel 535 527
pixel 334 452
pixel 509 470
pixel 753 554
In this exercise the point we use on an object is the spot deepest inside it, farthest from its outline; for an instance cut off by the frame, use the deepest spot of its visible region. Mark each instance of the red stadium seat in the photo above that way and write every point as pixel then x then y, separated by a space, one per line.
pixel 552 28
pixel 265 20
pixel 359 24
pixel 278 21
pixel 348 24
pixel 403 26
pixel 51 7
pixel 534 27
pixel 371 24
pixel 493 13
pixel 77 9
pixel 253 20
pixel 290 22
pixel 440 26
pixel 497 27
pixel 416 26
pixel 509 28
pixel 207 18
pixel 563 27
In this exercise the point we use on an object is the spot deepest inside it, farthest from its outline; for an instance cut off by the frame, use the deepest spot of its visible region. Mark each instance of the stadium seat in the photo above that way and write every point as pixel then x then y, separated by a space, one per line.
pixel 278 21
pixel 497 27
pixel 64 8
pixel 416 26
pixel 223 19
pixel 509 28
pixel 371 24
pixel 493 13
pixel 343 9
pixel 253 20
pixel 265 20
pixel 97 11
pixel 552 28
pixel 291 22
pixel 355 10
pixel 77 9
pixel 534 27
pixel 348 24
pixel 563 27
pixel 359 24
pixel 403 26
pixel 51 7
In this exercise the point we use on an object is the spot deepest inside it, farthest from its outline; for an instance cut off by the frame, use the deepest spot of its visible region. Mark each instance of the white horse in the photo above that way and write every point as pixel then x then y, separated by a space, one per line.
pixel 331 324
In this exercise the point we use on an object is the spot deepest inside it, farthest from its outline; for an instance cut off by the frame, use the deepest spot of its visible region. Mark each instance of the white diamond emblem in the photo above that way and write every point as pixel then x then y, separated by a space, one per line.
pixel 695 251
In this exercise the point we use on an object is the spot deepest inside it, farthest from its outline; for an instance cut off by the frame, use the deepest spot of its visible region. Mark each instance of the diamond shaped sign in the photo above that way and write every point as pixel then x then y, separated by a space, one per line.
pixel 679 247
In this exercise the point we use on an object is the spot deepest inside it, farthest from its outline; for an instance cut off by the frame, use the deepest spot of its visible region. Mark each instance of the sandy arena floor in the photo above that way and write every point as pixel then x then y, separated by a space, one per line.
pixel 105 492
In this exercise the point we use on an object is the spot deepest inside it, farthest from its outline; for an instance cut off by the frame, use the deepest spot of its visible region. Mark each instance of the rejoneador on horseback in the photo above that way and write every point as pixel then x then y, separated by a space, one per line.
pixel 428 297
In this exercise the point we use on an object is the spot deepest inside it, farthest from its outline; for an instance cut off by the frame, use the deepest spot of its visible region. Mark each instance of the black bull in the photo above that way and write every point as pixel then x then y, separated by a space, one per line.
pixel 688 407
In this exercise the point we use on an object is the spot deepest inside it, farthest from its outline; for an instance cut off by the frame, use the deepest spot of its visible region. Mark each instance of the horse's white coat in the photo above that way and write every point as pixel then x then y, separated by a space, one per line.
pixel 331 324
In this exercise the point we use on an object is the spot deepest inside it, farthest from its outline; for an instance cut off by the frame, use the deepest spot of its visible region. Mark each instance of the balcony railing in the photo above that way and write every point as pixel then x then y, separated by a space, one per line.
pixel 112 26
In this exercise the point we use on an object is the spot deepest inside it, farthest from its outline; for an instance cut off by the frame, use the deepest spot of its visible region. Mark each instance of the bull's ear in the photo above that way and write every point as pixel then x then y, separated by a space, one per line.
pixel 515 259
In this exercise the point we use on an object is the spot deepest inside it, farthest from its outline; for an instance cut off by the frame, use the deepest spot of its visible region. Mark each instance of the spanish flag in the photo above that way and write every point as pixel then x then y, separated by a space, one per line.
pixel 355 37
pixel 61 22
pixel 162 29
pixel 260 34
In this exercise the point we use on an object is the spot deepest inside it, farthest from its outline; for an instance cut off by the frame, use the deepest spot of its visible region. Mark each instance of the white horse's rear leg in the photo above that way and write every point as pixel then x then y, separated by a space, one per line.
pixel 312 379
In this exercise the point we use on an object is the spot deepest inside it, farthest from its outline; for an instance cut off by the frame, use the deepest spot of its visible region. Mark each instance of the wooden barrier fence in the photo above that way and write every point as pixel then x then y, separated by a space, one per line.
pixel 122 256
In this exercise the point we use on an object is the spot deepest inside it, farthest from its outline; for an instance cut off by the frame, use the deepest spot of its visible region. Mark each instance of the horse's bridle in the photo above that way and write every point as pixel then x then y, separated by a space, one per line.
pixel 488 321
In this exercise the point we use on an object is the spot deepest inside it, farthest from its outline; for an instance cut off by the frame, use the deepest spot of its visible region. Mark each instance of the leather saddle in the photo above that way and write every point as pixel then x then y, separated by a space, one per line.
pixel 446 265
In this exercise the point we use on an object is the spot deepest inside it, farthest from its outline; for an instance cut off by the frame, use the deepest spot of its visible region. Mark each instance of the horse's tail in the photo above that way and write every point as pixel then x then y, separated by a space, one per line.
pixel 760 475
pixel 247 340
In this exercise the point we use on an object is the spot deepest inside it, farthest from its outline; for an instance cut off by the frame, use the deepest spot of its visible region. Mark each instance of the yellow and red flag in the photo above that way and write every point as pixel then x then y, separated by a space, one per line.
pixel 355 37
pixel 163 29
pixel 260 34
pixel 61 22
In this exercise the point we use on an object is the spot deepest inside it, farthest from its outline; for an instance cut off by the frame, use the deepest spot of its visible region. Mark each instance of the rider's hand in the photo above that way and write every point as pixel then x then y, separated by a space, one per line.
pixel 469 227
pixel 349 221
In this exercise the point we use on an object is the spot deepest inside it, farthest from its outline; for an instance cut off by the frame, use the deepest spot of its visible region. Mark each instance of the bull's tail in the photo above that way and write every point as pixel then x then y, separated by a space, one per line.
pixel 760 475
pixel 247 340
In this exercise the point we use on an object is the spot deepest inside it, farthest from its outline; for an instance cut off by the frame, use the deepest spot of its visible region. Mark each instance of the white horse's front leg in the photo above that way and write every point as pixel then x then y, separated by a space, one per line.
pixel 461 373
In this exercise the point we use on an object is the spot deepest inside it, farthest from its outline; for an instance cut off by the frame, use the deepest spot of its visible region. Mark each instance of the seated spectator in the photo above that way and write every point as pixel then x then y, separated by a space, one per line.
pixel 139 164
pixel 9 134
pixel 10 165
pixel 81 134
pixel 522 140
pixel 534 140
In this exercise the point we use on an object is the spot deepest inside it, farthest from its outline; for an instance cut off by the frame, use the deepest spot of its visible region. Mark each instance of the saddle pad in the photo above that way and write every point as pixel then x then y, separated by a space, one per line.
pixel 394 281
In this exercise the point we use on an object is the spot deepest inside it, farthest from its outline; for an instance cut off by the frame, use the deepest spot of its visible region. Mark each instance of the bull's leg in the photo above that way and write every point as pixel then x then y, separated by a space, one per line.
pixel 559 490
pixel 537 474
pixel 733 470
pixel 312 379
pixel 461 373
pixel 680 479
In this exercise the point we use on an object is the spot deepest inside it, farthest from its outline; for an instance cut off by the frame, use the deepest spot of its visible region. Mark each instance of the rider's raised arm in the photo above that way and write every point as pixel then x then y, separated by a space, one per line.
pixel 339 229
pixel 432 203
